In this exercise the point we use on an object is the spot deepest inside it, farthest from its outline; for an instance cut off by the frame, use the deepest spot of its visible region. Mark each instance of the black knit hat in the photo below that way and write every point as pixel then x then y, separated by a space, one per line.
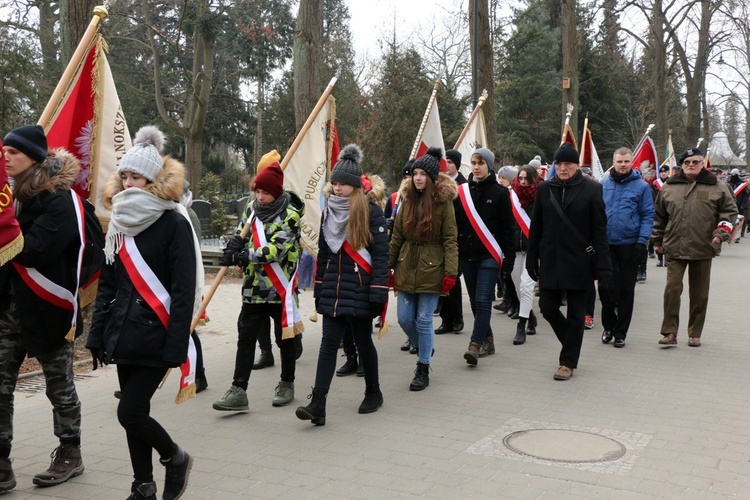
pixel 406 169
pixel 566 153
pixel 29 140
pixel 454 156
pixel 347 170
pixel 429 162
pixel 690 152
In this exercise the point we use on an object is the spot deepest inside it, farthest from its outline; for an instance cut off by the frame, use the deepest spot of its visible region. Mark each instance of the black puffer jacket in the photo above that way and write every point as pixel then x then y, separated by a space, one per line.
pixel 345 290
pixel 492 202
pixel 51 244
pixel 124 326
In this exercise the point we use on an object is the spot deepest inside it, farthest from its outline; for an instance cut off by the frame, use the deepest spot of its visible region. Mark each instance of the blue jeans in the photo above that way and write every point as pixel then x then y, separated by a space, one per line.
pixel 415 318
pixel 480 278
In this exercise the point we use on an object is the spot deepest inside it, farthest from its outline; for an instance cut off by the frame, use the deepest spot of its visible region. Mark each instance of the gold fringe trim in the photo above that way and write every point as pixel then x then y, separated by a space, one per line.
pixel 88 295
pixel 71 336
pixel 185 394
pixel 314 317
pixel 383 330
pixel 11 249
pixel 97 90
pixel 289 332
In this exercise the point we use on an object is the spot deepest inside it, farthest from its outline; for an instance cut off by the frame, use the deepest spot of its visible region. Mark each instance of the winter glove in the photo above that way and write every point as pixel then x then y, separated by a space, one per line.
pixel 98 357
pixel 533 272
pixel 234 258
pixel 389 224
pixel 237 243
pixel 448 283
pixel 640 252
pixel 376 308
pixel 508 265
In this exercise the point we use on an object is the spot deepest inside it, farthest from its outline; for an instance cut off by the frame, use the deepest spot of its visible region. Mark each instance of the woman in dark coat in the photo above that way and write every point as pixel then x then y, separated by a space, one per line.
pixel 351 282
pixel 145 303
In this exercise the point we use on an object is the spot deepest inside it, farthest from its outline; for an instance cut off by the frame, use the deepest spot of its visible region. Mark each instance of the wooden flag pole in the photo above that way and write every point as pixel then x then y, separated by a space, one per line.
pixel 471 120
pixel 583 140
pixel 567 123
pixel 427 112
pixel 74 64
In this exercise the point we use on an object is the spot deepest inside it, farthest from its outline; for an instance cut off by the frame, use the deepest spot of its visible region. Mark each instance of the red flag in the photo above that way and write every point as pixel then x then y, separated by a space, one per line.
pixel 432 136
pixel 645 156
pixel 11 239
pixel 335 146
pixel 589 156
pixel 567 136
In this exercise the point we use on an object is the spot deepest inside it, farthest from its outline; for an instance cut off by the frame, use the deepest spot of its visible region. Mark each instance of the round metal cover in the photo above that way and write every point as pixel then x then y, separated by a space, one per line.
pixel 559 445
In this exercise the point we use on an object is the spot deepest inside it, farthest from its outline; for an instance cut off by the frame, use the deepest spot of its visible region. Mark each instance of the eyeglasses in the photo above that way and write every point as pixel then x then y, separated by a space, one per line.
pixel 692 162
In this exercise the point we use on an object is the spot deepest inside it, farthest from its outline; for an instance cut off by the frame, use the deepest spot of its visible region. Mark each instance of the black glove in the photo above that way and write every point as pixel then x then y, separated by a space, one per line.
pixel 533 273
pixel 640 252
pixel 389 224
pixel 237 243
pixel 98 356
pixel 234 258
pixel 507 268
pixel 376 308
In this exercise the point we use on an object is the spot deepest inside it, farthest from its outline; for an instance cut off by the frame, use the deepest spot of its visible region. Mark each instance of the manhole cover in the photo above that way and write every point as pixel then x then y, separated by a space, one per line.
pixel 559 445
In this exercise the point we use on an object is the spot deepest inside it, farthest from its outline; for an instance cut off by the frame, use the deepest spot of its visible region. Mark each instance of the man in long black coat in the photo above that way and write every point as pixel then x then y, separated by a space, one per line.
pixel 567 255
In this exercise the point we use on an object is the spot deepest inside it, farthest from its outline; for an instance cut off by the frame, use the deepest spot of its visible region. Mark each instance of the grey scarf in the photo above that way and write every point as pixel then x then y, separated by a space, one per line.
pixel 336 221
pixel 267 213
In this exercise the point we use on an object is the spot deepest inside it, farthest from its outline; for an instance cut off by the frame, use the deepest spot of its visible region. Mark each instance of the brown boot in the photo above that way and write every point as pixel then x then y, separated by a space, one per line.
pixel 7 479
pixel 66 463
pixel 472 353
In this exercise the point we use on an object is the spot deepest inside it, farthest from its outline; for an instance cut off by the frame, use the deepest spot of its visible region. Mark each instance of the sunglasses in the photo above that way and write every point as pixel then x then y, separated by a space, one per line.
pixel 692 162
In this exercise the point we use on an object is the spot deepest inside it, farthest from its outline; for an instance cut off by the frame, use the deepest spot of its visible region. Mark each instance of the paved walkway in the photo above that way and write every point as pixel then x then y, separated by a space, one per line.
pixel 681 416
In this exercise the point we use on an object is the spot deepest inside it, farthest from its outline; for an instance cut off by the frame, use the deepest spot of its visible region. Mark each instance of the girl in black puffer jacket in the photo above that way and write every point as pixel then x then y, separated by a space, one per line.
pixel 351 281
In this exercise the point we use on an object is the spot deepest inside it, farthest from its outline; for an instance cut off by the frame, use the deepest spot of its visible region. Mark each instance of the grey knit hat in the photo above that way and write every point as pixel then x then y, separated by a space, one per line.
pixel 144 157
pixel 429 162
pixel 536 162
pixel 347 169
pixel 508 173
pixel 489 156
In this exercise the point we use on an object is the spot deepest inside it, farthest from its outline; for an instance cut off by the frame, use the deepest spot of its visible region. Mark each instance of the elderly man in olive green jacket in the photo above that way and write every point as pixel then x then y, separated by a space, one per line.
pixel 694 214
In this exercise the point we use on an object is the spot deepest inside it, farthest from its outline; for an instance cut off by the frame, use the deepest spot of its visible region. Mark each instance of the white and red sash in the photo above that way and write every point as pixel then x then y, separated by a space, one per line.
pixel 522 218
pixel 478 224
pixel 740 189
pixel 363 259
pixel 291 321
pixel 49 291
pixel 157 297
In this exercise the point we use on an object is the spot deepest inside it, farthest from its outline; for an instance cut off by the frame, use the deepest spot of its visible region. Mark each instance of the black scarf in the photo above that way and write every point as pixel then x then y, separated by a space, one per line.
pixel 617 177
pixel 267 213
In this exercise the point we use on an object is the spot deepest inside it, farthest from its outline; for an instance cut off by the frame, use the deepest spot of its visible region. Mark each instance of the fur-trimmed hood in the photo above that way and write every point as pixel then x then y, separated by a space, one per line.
pixel 445 190
pixel 68 174
pixel 167 185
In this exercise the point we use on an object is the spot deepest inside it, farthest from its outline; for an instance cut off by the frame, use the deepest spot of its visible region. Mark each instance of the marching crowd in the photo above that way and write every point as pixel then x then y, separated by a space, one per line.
pixel 566 239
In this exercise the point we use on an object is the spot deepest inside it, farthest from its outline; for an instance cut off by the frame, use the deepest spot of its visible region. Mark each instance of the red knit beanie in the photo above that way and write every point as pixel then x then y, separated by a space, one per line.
pixel 270 180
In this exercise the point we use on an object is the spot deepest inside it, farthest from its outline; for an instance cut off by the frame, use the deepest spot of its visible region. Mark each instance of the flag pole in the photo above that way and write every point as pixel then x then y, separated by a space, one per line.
pixel 471 120
pixel 427 112
pixel 583 139
pixel 567 122
pixel 100 13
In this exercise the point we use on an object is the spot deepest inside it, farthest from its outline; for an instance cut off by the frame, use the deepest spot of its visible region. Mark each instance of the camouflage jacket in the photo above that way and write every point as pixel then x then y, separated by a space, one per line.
pixel 282 246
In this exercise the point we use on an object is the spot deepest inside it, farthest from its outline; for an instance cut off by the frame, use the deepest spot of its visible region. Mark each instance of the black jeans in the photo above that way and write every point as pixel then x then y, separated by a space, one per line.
pixel 451 308
pixel 617 310
pixel 138 384
pixel 255 319
pixel 569 331
pixel 333 332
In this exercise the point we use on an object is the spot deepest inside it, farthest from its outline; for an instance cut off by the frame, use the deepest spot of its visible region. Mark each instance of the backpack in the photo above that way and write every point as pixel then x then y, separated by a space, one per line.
pixel 93 250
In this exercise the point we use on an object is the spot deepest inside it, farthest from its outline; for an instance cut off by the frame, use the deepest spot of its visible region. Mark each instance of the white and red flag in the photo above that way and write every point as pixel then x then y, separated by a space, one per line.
pixel 589 156
pixel 432 136
pixel 567 136
pixel 473 137
pixel 645 156
pixel 671 162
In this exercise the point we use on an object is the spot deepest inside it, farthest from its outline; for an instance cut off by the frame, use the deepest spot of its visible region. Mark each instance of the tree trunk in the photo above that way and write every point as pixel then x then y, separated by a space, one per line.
pixel 308 59
pixel 49 47
pixel 568 23
pixel 659 76
pixel 484 58
pixel 75 16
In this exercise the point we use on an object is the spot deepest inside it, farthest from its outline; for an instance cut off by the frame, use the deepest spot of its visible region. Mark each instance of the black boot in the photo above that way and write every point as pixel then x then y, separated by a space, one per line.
pixel 502 306
pixel 520 337
pixel 373 399
pixel 531 325
pixel 297 346
pixel 142 491
pixel 266 359
pixel 201 384
pixel 177 474
pixel 421 377
pixel 349 367
pixel 315 412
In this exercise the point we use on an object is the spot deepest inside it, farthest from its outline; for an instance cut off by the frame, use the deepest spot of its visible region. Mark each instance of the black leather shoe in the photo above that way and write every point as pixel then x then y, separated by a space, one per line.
pixel 458 326
pixel 413 349
pixel 442 329
pixel 502 306
pixel 513 309
pixel 516 314
pixel 406 345
pixel 520 337
pixel 266 359
pixel 619 342
pixel 607 337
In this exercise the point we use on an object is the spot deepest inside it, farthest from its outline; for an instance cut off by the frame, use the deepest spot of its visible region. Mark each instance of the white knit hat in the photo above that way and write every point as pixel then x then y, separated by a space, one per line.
pixel 144 157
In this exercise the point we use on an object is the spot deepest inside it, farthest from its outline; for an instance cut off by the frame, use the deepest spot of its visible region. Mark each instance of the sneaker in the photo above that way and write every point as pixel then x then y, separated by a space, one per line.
pixel 7 478
pixel 563 373
pixel 588 322
pixel 235 399
pixel 619 343
pixel 284 393
pixel 176 474
pixel 66 463
pixel 142 491
pixel 668 340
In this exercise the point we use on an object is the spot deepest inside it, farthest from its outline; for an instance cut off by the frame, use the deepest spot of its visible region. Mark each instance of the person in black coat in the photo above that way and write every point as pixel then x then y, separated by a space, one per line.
pixel 146 299
pixel 567 254
pixel 478 265
pixel 351 282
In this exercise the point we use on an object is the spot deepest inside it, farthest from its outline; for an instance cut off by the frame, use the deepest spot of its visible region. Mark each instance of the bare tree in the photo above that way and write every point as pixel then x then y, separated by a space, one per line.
pixel 448 47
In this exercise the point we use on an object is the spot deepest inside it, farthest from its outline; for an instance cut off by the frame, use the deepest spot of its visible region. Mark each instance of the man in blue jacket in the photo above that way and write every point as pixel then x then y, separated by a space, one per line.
pixel 630 216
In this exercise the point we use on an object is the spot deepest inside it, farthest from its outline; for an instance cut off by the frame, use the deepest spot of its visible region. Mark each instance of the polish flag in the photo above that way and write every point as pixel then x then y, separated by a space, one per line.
pixel 432 136
pixel 589 156
pixel 645 156
pixel 473 138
